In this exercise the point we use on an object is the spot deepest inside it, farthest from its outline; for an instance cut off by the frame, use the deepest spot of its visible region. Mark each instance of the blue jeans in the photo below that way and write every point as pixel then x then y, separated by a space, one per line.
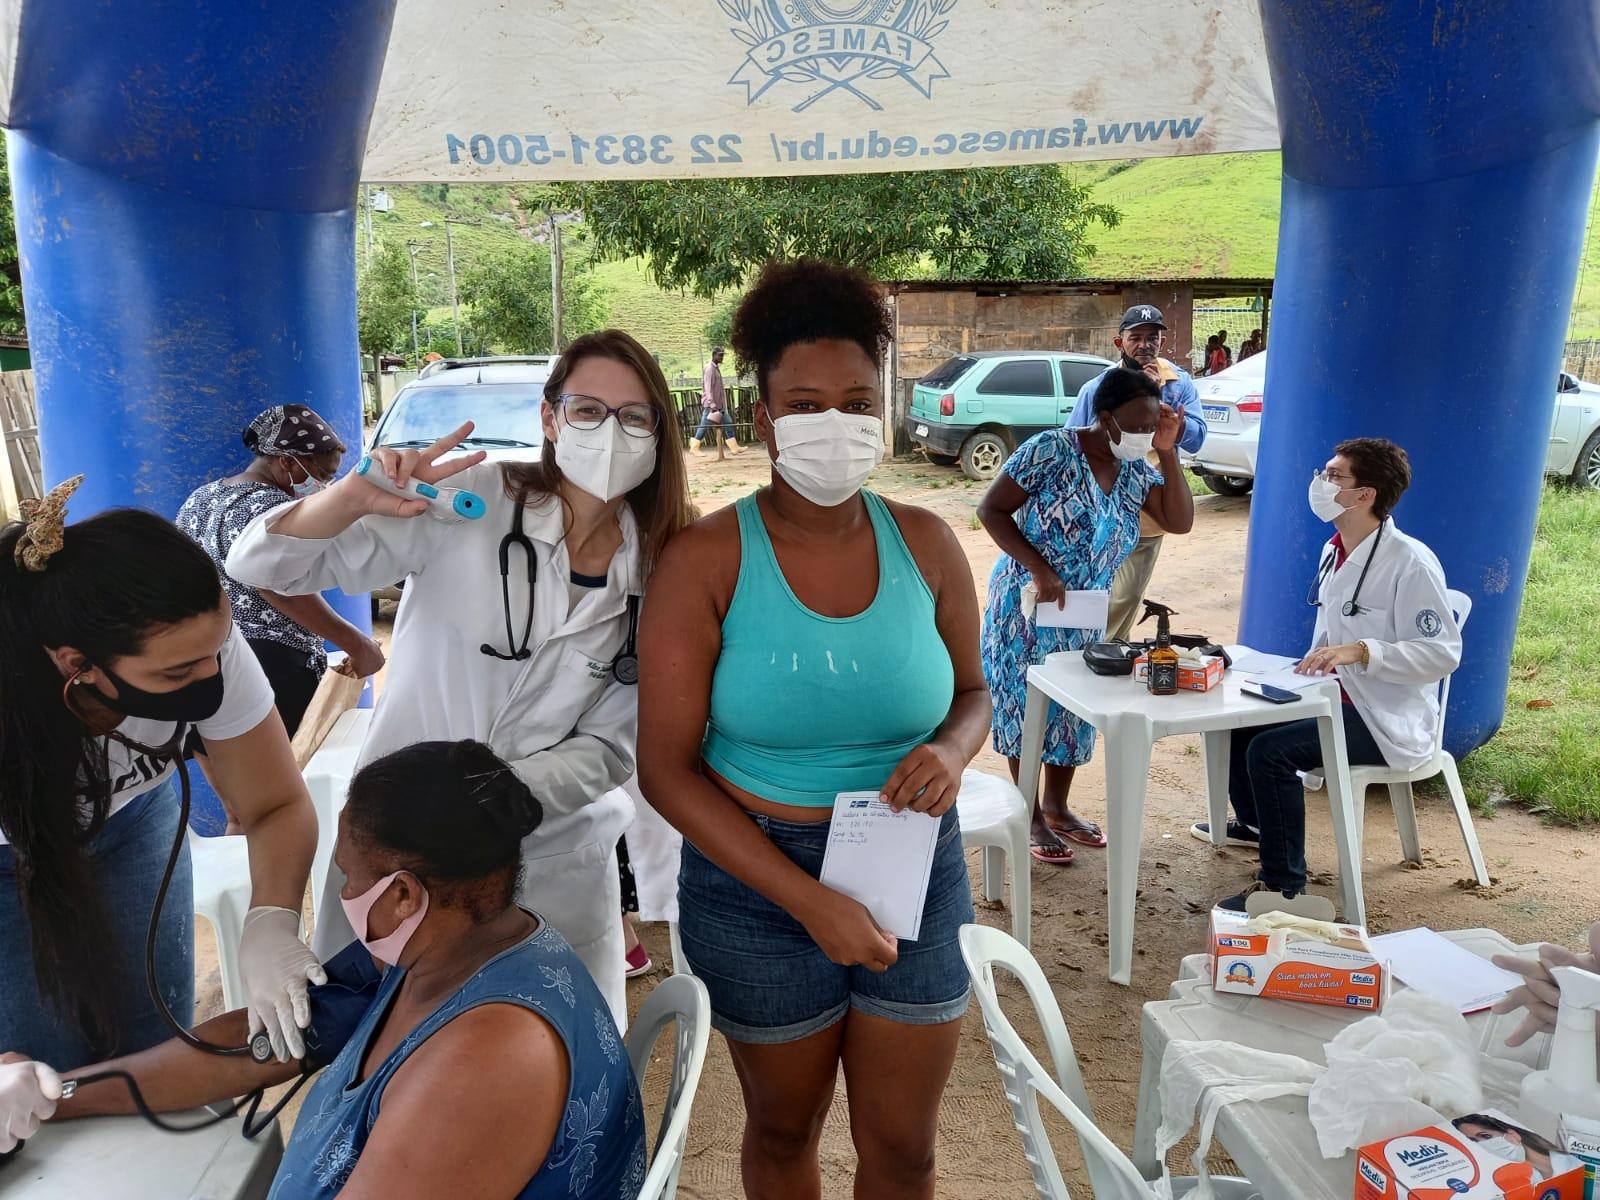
pixel 1265 789
pixel 129 854
pixel 722 419
pixel 770 983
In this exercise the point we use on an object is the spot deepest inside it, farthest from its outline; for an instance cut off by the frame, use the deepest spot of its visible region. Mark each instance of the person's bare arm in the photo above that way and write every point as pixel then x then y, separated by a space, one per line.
pixel 316 614
pixel 997 512
pixel 929 778
pixel 265 792
pixel 680 638
pixel 174 1076
pixel 472 1113
pixel 1172 504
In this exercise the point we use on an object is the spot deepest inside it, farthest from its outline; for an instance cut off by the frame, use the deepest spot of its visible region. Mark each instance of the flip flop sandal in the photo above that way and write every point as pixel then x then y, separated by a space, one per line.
pixel 1082 836
pixel 1062 857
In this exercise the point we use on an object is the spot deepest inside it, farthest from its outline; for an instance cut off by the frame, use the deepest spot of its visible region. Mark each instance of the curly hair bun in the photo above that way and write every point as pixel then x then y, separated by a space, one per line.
pixel 808 300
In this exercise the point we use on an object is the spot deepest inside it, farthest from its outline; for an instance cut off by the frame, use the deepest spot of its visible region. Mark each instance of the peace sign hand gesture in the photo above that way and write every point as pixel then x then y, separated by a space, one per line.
pixel 402 466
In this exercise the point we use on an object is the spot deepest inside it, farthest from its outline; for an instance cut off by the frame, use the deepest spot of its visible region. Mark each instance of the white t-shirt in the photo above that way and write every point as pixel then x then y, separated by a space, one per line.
pixel 246 700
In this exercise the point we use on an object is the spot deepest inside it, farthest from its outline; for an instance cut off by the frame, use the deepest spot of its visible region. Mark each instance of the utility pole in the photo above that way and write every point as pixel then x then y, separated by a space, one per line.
pixel 413 248
pixel 557 290
pixel 367 192
pixel 450 259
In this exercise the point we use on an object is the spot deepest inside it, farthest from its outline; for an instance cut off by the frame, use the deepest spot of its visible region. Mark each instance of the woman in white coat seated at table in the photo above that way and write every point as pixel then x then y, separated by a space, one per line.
pixel 1384 626
pixel 517 628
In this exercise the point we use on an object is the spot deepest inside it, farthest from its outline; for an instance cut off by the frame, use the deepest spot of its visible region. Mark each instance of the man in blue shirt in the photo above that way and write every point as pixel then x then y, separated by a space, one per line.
pixel 1140 338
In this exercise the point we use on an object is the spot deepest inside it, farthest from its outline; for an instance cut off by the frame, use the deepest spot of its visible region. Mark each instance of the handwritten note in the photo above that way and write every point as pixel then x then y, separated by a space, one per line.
pixel 881 858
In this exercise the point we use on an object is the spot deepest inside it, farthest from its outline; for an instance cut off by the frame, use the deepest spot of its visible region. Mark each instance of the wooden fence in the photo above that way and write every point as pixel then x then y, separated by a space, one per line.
pixel 21 473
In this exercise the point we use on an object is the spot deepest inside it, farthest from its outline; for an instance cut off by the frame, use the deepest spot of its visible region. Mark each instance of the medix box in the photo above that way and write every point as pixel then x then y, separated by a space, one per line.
pixel 1440 1163
pixel 1190 678
pixel 1344 974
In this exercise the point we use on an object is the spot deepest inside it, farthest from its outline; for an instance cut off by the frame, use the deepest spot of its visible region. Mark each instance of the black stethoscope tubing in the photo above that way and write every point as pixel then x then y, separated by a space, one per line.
pixel 1350 608
pixel 625 663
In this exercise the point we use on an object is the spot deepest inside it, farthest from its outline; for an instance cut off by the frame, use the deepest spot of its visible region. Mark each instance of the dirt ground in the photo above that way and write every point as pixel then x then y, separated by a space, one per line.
pixel 1544 886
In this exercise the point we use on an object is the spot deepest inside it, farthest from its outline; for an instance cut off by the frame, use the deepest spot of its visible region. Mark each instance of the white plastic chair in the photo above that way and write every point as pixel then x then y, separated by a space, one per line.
pixel 327 778
pixel 1112 1175
pixel 1399 782
pixel 222 896
pixel 682 1001
pixel 995 816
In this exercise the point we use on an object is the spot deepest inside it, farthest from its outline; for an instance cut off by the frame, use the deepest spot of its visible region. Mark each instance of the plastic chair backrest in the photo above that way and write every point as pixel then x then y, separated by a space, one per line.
pixel 1461 606
pixel 683 1002
pixel 1025 1078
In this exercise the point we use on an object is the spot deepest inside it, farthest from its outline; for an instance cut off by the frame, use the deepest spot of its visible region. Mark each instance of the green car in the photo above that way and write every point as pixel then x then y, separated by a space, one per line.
pixel 977 408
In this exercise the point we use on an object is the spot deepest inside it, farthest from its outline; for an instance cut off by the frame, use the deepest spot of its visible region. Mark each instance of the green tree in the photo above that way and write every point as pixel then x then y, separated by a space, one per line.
pixel 719 328
pixel 385 300
pixel 708 235
pixel 507 295
pixel 11 318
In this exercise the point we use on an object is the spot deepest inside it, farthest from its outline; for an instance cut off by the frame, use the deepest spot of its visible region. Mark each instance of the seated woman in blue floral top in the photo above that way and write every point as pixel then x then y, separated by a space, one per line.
pixel 1064 511
pixel 484 1062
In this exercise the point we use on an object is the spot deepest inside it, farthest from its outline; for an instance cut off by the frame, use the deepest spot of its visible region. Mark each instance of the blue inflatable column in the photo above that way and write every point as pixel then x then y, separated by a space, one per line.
pixel 184 176
pixel 1438 161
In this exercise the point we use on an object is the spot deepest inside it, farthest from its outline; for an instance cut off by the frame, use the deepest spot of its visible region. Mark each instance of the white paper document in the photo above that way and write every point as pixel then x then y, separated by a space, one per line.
pixel 1287 680
pixel 1079 610
pixel 1422 959
pixel 881 858
pixel 1258 662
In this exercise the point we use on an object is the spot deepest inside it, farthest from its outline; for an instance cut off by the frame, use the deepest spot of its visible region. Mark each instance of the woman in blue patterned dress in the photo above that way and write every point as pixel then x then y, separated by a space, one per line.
pixel 484 1062
pixel 1065 513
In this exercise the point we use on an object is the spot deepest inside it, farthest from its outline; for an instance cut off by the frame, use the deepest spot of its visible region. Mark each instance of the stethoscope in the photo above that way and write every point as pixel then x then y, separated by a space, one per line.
pixel 1350 608
pixel 624 664
pixel 259 1047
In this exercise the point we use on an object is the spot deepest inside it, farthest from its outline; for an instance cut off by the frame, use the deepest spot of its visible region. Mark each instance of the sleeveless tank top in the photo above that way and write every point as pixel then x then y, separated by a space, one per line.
pixel 600 1147
pixel 805 706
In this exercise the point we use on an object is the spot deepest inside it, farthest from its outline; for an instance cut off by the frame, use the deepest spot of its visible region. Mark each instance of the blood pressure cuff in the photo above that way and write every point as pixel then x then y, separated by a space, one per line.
pixel 339 1006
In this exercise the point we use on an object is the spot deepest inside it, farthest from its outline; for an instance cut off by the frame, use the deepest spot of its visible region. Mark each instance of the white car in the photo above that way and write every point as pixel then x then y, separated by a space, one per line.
pixel 1231 402
pixel 500 395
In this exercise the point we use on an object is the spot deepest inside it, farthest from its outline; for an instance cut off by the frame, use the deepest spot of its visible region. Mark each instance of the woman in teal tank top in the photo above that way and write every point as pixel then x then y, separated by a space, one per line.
pixel 811 640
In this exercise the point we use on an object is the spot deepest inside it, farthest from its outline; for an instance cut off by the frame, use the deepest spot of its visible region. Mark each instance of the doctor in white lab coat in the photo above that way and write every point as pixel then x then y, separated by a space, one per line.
pixel 555 698
pixel 1384 627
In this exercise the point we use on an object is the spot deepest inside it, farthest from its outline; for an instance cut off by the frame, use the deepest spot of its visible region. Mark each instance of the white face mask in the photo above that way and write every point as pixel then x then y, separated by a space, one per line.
pixel 1502 1147
pixel 606 462
pixel 1134 446
pixel 827 456
pixel 1323 497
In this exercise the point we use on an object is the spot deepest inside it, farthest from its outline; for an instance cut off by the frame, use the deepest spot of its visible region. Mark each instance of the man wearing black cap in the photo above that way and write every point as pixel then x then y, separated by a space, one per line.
pixel 1140 337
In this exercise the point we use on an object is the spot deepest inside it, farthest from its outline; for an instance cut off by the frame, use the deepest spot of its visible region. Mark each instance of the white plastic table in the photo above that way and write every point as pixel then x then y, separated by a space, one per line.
pixel 1272 1141
pixel 1131 720
pixel 129 1159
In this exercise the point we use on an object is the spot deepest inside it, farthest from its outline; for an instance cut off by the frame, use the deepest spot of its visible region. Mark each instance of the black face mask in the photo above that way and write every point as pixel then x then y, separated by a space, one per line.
pixel 192 702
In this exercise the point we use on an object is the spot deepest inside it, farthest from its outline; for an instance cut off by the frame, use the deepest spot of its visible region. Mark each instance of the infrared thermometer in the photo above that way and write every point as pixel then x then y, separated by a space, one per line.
pixel 444 503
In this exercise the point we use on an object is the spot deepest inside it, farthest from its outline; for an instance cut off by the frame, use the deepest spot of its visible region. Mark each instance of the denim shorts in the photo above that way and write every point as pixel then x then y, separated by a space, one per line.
pixel 770 983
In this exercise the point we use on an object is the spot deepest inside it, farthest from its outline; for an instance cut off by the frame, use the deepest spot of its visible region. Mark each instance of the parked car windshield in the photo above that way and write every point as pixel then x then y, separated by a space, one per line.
pixel 947 372
pixel 505 414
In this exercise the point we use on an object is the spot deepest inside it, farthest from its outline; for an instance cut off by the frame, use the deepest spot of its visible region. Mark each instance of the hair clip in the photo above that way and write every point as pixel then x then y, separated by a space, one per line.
pixel 45 532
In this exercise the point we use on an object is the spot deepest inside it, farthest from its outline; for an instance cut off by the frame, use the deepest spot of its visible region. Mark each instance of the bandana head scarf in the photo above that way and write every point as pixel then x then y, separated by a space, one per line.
pixel 290 431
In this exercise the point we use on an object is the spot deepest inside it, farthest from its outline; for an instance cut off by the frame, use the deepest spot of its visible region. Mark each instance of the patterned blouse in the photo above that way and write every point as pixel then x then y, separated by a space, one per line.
pixel 214 515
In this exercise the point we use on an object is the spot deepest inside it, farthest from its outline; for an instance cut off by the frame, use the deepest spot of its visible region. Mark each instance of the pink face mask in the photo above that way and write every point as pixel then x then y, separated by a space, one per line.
pixel 384 949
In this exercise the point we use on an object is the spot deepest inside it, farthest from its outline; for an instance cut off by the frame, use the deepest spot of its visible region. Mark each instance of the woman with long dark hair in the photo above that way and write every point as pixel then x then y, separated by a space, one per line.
pixel 516 629
pixel 115 636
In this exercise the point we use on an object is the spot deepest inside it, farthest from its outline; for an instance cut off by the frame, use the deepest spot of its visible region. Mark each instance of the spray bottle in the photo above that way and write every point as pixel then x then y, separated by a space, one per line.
pixel 1564 1099
pixel 1161 671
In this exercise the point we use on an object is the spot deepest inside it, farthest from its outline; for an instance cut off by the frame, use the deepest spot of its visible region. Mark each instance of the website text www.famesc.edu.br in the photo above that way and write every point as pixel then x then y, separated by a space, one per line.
pixel 819 147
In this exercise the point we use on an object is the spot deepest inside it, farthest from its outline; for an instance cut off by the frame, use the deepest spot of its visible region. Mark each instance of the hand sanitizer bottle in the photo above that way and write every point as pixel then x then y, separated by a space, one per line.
pixel 1568 1088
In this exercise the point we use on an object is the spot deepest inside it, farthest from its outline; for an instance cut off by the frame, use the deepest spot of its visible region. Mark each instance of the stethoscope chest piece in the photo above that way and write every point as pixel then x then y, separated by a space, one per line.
pixel 626 668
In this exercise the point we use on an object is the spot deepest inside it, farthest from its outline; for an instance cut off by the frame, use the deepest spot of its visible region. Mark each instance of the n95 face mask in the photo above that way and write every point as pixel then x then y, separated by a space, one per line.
pixel 827 456
pixel 606 462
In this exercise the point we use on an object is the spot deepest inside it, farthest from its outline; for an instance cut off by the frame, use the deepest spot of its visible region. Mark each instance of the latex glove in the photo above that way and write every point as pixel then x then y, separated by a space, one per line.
pixel 28 1094
pixel 277 967
pixel 1540 993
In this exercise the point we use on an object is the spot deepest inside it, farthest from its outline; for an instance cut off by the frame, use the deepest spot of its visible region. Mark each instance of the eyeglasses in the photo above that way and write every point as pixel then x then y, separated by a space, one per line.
pixel 590 412
pixel 1334 477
